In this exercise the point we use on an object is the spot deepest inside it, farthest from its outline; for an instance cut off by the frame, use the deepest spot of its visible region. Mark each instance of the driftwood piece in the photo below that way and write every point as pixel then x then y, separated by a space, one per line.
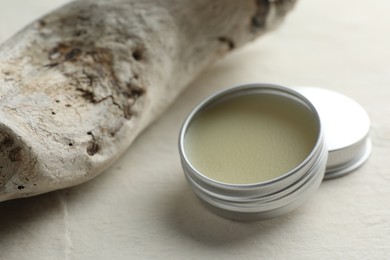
pixel 78 85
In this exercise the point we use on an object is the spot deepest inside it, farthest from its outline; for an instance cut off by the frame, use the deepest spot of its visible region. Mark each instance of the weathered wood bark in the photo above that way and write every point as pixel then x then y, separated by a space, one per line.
pixel 78 85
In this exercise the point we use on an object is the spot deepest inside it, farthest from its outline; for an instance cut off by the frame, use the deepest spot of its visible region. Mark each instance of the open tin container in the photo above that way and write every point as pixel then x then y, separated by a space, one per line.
pixel 333 151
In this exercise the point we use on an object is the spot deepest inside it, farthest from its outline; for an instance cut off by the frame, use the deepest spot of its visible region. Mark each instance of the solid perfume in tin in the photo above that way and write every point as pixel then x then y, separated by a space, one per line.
pixel 259 151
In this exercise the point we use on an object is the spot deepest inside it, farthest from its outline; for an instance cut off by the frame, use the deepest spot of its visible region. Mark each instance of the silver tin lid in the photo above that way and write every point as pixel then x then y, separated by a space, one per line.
pixel 346 126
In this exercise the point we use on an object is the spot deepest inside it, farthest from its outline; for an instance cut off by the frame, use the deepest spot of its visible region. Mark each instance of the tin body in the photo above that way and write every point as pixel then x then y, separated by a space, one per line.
pixel 245 202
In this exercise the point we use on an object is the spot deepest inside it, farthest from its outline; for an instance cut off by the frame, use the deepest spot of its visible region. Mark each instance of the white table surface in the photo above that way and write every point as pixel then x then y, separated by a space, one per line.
pixel 142 208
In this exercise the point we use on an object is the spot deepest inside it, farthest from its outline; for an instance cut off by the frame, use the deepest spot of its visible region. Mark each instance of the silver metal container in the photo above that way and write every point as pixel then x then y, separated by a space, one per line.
pixel 245 202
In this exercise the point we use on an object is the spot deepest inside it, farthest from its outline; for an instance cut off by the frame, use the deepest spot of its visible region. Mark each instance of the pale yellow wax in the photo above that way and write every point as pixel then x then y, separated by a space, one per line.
pixel 250 139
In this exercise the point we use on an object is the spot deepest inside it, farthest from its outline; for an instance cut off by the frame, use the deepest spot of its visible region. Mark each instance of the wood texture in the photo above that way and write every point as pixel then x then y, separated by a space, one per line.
pixel 78 85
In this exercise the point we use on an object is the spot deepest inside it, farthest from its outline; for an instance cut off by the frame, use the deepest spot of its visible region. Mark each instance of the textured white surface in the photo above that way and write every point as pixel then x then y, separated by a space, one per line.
pixel 141 208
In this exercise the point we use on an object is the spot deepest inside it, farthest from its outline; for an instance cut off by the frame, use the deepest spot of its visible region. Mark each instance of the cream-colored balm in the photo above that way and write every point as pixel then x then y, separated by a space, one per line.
pixel 251 138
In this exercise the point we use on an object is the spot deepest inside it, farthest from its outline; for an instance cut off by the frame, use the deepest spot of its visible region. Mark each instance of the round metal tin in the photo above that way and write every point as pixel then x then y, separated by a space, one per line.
pixel 346 125
pixel 261 200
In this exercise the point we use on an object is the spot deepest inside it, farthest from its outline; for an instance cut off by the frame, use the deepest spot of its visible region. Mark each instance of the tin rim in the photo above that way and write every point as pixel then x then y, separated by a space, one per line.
pixel 256 88
pixel 263 199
